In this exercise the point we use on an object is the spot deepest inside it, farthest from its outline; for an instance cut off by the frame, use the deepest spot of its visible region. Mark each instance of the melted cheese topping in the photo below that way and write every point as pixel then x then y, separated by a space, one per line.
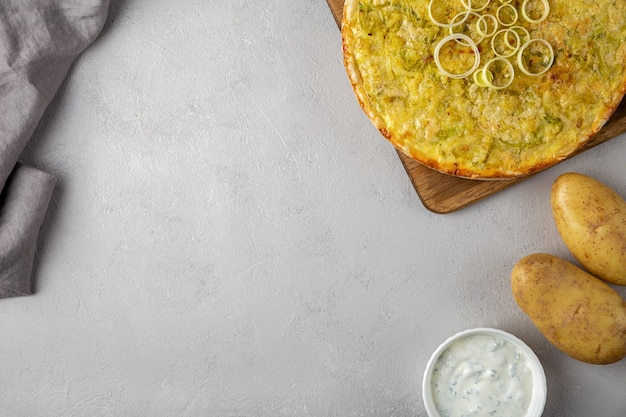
pixel 461 128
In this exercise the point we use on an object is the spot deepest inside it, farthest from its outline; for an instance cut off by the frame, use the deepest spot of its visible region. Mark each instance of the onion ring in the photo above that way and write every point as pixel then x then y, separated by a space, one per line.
pixel 482 19
pixel 514 11
pixel 546 10
pixel 456 37
pixel 448 25
pixel 513 50
pixel 520 53
pixel 509 66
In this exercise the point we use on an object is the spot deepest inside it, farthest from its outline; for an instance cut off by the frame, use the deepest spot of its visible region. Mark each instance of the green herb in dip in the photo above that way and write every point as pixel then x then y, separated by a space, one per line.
pixel 482 375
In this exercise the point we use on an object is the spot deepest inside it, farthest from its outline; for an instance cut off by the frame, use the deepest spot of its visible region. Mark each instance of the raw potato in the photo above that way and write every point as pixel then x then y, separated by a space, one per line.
pixel 591 219
pixel 579 314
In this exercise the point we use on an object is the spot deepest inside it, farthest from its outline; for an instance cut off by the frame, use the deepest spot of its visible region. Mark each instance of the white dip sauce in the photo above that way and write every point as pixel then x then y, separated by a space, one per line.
pixel 482 375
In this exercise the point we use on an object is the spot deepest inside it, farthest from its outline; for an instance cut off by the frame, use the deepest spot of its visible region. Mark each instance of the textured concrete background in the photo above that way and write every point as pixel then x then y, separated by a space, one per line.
pixel 231 237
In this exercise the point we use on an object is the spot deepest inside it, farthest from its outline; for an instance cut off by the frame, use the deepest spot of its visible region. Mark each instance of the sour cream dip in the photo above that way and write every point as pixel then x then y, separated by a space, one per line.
pixel 484 372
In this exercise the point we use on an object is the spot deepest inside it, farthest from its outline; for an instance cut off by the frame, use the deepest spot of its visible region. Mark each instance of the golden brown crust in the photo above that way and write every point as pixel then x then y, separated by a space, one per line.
pixel 485 154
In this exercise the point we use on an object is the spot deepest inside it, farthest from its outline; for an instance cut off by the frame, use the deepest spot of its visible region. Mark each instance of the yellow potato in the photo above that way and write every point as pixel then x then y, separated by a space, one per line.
pixel 578 313
pixel 591 219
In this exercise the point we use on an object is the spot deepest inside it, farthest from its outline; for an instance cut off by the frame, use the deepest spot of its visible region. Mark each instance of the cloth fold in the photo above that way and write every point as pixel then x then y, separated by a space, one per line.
pixel 23 204
pixel 39 41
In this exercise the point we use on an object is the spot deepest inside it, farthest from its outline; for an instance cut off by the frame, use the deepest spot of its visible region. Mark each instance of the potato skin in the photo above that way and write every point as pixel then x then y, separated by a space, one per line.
pixel 591 219
pixel 578 313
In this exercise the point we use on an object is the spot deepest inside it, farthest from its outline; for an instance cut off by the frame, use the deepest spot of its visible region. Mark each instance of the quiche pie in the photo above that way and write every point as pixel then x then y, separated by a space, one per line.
pixel 486 89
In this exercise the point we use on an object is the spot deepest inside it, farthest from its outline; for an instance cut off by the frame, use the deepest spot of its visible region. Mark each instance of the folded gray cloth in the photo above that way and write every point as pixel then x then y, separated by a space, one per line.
pixel 23 204
pixel 39 41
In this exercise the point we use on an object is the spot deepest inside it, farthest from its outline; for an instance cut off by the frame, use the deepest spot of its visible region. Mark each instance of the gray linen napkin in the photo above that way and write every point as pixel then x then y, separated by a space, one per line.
pixel 39 41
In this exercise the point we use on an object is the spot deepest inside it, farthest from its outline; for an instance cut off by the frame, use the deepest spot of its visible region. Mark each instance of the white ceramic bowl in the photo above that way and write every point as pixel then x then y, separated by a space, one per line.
pixel 537 392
